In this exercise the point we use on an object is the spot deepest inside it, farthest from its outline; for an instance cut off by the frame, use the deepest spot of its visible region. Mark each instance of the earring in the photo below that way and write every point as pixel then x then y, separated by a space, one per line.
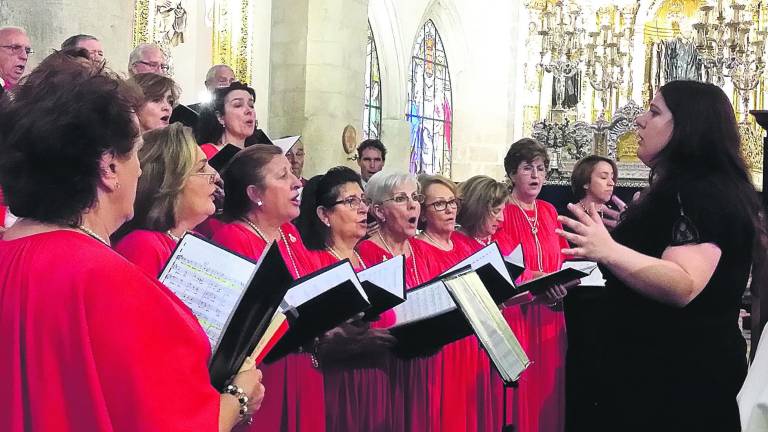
pixel 328 224
pixel 117 186
pixel 259 203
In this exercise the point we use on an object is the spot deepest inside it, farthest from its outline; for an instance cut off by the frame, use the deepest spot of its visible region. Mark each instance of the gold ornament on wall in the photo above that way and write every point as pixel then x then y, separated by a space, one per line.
pixel 231 36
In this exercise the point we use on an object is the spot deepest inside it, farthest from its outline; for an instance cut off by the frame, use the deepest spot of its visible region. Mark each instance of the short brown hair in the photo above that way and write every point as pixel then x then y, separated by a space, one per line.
pixel 245 169
pixel 524 150
pixel 582 173
pixel 479 195
pixel 427 180
pixel 155 85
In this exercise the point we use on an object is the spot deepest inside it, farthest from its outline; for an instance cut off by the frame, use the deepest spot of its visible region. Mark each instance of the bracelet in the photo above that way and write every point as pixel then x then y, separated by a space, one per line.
pixel 313 355
pixel 242 399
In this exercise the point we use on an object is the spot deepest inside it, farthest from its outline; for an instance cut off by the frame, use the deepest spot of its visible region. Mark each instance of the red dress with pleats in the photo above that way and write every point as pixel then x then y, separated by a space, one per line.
pixel 357 396
pixel 466 402
pixel 413 382
pixel 539 402
pixel 91 343
pixel 294 400
pixel 150 250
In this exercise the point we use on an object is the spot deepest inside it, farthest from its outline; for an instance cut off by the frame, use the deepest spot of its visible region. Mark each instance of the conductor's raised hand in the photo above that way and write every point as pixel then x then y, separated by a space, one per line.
pixel 588 235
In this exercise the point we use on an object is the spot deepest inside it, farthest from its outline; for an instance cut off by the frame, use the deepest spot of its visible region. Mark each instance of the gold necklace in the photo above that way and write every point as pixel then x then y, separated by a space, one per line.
pixel 92 234
pixel 410 249
pixel 583 207
pixel 282 237
pixel 439 246
pixel 533 223
pixel 336 255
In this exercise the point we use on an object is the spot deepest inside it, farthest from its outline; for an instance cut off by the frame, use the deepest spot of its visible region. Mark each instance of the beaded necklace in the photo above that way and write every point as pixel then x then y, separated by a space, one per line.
pixel 410 249
pixel 282 237
pixel 335 254
pixel 533 223
pixel 173 237
pixel 93 235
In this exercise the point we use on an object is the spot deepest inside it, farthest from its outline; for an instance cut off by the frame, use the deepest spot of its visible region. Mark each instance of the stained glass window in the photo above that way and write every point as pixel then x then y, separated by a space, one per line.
pixel 430 105
pixel 372 105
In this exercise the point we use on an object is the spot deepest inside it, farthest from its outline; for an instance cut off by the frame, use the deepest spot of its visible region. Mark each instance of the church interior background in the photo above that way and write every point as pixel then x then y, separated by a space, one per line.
pixel 447 85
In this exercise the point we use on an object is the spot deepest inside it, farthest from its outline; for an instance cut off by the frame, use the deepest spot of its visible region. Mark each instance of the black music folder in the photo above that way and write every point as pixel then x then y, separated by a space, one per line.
pixel 492 269
pixel 222 158
pixel 569 273
pixel 233 298
pixel 317 303
pixel 515 262
pixel 384 284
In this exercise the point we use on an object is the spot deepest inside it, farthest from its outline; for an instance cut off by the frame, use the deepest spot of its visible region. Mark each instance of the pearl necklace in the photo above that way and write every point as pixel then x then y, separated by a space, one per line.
pixel 438 245
pixel 93 234
pixel 483 242
pixel 173 237
pixel 410 249
pixel 282 237
pixel 533 223
pixel 336 255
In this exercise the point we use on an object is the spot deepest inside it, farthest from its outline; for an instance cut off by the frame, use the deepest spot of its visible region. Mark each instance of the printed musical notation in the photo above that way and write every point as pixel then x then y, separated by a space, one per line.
pixel 210 281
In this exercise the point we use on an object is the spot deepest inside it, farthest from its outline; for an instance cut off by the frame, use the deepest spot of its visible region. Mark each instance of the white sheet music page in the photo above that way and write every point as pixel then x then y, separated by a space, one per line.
pixel 489 325
pixel 516 257
pixel 210 281
pixel 595 278
pixel 423 303
pixel 387 275
pixel 313 287
pixel 487 255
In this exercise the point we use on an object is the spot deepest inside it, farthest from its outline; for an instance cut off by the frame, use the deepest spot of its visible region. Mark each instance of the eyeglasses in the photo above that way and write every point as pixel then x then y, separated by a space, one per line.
pixel 211 176
pixel 354 202
pixel 441 205
pixel 402 198
pixel 18 49
pixel 155 65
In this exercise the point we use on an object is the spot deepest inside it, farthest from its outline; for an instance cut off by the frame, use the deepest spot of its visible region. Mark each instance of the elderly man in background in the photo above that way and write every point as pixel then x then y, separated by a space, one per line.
pixel 88 43
pixel 15 49
pixel 147 58
pixel 218 76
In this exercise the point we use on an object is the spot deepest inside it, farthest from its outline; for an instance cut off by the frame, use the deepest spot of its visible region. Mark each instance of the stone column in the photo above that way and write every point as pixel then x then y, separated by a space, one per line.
pixel 49 22
pixel 317 69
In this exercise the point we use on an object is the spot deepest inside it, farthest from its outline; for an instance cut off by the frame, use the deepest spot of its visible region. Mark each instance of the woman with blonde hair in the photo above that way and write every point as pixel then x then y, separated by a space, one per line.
pixel 174 195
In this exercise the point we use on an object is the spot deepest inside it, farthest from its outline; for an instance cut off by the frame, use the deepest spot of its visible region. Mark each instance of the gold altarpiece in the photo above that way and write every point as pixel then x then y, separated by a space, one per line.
pixel 602 122
pixel 230 21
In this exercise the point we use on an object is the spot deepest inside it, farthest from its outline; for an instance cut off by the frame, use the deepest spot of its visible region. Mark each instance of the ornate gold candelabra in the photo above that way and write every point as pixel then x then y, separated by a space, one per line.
pixel 561 33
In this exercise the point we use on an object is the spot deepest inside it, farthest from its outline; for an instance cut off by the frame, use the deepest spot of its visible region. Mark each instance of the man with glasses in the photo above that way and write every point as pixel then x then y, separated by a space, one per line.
pixel 218 76
pixel 147 58
pixel 15 49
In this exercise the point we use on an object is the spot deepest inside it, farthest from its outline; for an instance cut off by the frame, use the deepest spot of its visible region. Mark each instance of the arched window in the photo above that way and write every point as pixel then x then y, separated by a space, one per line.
pixel 372 105
pixel 430 105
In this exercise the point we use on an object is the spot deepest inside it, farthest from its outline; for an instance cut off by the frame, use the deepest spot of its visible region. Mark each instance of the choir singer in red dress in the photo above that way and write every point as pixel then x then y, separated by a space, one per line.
pixel 465 400
pixel 261 198
pixel 354 356
pixel 89 342
pixel 230 119
pixel 532 223
pixel 174 195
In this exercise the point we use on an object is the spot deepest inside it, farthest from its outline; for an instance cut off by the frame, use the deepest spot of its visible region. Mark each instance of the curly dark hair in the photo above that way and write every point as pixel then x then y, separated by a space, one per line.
pixel 65 116
pixel 321 190
pixel 209 129
pixel 374 144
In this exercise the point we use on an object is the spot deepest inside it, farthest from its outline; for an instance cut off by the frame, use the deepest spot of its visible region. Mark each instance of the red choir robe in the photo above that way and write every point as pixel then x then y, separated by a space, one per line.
pixel 209 149
pixel 357 396
pixel 150 250
pixel 294 400
pixel 413 382
pixel 90 343
pixel 538 404
pixel 465 402
pixel 3 210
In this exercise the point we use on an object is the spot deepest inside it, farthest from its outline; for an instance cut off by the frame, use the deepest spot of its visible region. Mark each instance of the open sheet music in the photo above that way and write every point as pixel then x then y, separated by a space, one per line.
pixel 233 298
pixel 385 285
pixel 489 325
pixel 210 281
pixel 488 255
pixel 423 303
